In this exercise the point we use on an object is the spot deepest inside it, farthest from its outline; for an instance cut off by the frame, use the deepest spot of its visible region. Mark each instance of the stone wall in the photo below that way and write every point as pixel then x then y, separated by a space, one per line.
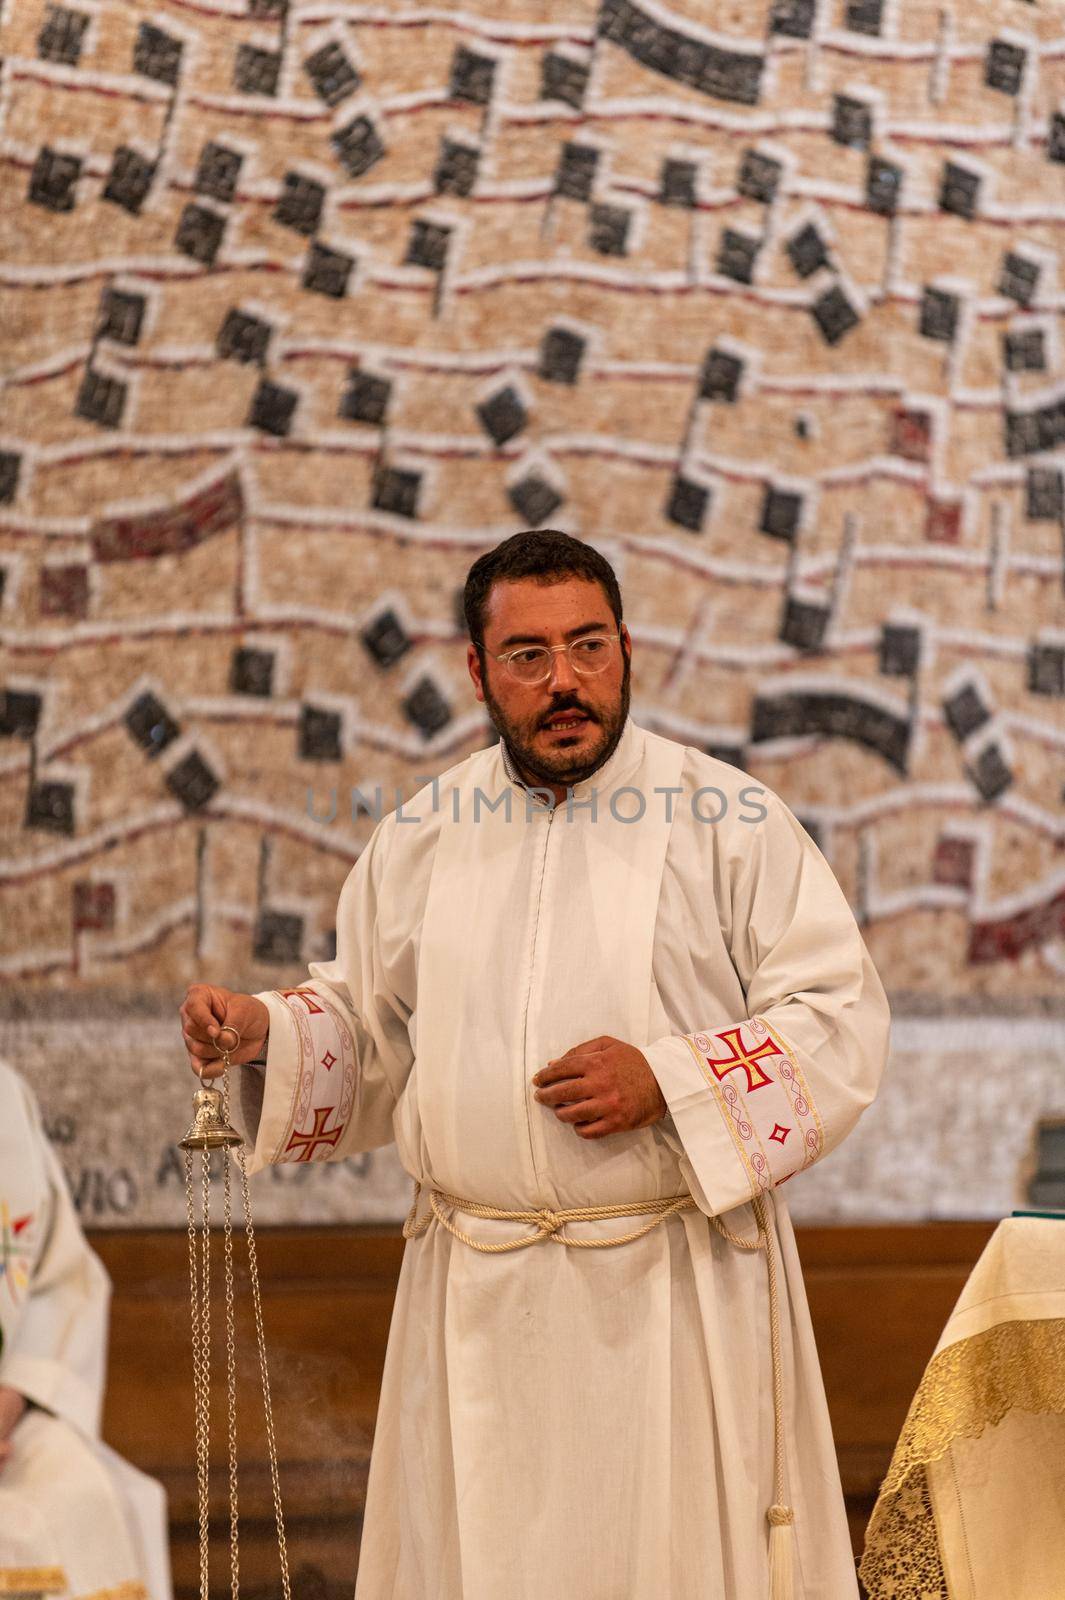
pixel 305 305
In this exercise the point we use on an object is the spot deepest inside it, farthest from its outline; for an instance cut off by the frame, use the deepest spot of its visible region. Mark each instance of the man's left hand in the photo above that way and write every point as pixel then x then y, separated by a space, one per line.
pixel 602 1086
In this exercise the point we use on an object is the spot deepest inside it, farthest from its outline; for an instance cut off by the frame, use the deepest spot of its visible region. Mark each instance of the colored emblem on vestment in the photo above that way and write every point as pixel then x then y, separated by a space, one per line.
pixel 311 1005
pixel 749 1061
pixel 15 1253
pixel 307 1143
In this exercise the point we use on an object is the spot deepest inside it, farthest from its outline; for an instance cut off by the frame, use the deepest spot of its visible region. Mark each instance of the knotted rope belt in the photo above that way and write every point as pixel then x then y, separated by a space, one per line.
pixel 551 1224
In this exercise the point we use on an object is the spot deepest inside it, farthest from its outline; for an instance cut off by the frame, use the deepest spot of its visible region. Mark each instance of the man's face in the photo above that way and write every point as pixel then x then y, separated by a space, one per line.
pixel 561 730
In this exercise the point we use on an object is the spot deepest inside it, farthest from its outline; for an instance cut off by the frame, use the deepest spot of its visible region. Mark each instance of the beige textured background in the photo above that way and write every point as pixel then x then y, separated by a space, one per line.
pixel 169 530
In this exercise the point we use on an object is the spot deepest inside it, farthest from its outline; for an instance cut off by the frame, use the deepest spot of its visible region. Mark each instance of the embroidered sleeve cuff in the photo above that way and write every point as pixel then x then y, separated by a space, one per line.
pixel 299 1109
pixel 741 1108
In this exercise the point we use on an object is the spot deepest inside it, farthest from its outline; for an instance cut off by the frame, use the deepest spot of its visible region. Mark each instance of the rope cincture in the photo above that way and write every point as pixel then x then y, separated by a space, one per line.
pixel 551 1224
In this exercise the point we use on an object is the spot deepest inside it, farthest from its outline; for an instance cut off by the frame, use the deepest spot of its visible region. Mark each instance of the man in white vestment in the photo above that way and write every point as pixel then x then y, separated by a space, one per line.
pixel 606 995
pixel 76 1521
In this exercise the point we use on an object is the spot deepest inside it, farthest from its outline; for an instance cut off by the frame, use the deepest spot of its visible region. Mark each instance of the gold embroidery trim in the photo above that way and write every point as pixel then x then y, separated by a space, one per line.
pixel 969 1386
pixel 32 1580
pixel 729 1120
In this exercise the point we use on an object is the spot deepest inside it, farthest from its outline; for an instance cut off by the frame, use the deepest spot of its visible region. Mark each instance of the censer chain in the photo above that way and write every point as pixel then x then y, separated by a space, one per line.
pixel 200 1293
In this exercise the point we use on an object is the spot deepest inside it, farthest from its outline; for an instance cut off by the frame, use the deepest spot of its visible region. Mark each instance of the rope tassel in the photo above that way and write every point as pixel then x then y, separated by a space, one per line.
pixel 781 1552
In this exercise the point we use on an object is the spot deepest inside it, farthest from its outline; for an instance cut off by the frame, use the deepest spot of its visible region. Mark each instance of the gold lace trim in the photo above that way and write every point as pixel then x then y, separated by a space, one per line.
pixel 969 1386
pixel 32 1580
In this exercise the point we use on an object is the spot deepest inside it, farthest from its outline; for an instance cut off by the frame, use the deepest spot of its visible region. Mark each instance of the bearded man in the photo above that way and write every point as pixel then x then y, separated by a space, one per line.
pixel 606 995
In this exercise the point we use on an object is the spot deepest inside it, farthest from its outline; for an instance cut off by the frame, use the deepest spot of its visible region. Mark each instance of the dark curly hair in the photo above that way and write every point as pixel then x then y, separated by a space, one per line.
pixel 545 554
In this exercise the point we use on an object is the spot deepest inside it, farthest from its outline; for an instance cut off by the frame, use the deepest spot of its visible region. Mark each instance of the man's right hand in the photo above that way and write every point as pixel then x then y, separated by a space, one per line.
pixel 206 1010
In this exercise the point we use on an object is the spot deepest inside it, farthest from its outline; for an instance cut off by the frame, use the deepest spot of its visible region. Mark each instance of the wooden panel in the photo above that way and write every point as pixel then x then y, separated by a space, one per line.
pixel 879 1297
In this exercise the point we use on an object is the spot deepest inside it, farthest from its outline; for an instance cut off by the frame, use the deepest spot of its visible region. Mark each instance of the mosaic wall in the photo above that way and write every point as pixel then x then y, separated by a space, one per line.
pixel 306 304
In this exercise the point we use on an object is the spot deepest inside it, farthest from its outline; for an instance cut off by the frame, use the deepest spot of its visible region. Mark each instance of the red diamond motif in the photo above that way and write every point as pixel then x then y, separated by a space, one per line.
pixel 329 1060
pixel 779 1133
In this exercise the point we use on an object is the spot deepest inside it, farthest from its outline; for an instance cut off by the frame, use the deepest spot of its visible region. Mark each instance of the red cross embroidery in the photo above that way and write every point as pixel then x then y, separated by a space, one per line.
pixel 304 996
pixel 307 1143
pixel 747 1059
pixel 779 1133
pixel 329 1061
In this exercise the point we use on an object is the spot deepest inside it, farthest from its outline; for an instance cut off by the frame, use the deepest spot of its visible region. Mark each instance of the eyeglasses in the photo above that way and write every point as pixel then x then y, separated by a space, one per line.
pixel 532 663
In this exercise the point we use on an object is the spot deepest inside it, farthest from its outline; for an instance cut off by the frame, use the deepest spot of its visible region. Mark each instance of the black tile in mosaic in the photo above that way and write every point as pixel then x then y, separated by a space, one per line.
pixel 534 499
pixel 575 173
pixel 278 938
pixel 150 724
pixel 426 707
pixel 386 638
pixel 883 186
pixel 129 180
pixel 792 18
pixel 503 414
pixel 332 73
pixel 192 781
pixel 366 397
pixel 1004 66
pixel 781 513
pixel 676 185
pixel 10 472
pixel 472 76
pixel 456 168
pixel 965 711
pixel 256 71
pixel 563 78
pixel 990 773
pixel 1056 137
pixel 864 16
pixel 804 624
pixel 939 314
pixel 157 54
pixel 720 377
pixel 959 190
pixel 358 146
pixel 53 181
pixel 299 205
pixel 62 35
pixel 834 314
pixel 427 245
pixel 243 337
pixel 20 713
pixel 273 408
pixel 1025 350
pixel 200 233
pixel 561 354
pixel 609 228
pixel 900 649
pixel 807 251
pixel 759 176
pixel 1044 494
pixel 1046 668
pixel 327 271
pixel 121 316
pixel 218 171
pixel 1019 278
pixel 736 255
pixel 852 122
pixel 688 504
pixel 252 672
pixel 50 807
pixel 101 399
pixel 320 734
pixel 397 491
